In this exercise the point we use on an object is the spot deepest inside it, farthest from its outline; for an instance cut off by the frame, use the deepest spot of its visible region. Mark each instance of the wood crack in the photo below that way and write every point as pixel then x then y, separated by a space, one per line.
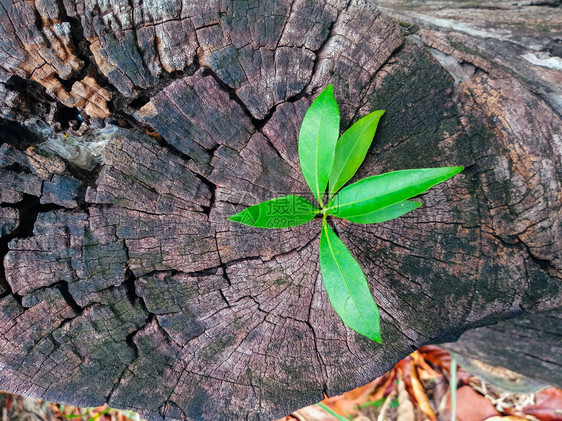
pixel 173 299
pixel 29 208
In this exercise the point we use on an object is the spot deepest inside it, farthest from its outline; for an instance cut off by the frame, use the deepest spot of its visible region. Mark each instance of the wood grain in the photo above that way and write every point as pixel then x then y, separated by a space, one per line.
pixel 126 284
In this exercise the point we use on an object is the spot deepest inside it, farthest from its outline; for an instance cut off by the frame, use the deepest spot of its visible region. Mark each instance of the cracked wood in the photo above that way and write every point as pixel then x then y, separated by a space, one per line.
pixel 126 284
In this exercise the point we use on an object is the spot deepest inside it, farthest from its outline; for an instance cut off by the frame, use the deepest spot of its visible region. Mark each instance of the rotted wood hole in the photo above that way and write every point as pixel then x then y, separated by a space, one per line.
pixel 131 130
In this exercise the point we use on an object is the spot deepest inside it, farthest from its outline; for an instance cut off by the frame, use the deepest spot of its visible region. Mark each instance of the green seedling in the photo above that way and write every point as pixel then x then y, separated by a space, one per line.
pixel 328 162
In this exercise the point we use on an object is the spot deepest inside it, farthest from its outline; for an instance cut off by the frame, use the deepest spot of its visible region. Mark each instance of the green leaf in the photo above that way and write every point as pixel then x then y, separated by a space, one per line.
pixel 318 135
pixel 281 212
pixel 385 214
pixel 351 150
pixel 347 286
pixel 379 191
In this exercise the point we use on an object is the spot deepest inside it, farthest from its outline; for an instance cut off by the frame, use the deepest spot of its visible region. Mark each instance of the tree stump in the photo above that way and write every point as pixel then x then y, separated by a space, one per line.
pixel 123 282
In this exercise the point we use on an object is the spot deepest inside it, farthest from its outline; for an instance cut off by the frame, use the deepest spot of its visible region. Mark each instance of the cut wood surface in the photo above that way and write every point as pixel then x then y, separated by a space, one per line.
pixel 123 282
pixel 529 344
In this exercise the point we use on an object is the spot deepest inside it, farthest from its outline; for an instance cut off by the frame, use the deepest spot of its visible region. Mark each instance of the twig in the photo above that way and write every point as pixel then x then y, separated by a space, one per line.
pixel 453 387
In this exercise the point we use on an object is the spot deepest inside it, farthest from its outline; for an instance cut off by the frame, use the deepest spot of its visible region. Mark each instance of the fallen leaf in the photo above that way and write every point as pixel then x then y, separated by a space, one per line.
pixel 405 406
pixel 471 406
pixel 403 367
pixel 311 413
pixel 419 393
pixel 425 372
pixel 347 403
pixel 384 389
pixel 548 405
pixel 436 356
pixel 385 406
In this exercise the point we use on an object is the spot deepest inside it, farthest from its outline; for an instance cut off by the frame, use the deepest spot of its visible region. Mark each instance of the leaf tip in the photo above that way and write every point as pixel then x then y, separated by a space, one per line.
pixel 329 90
pixel 236 217
pixel 374 335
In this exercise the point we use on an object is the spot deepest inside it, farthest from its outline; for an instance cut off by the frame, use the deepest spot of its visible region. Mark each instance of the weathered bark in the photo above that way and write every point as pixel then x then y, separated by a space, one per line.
pixel 529 344
pixel 124 282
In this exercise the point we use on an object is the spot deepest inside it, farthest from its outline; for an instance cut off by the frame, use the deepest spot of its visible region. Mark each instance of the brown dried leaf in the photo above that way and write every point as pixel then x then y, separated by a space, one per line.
pixel 405 406
pixel 436 356
pixel 471 406
pixel 548 405
pixel 425 372
pixel 385 388
pixel 419 393
pixel 347 403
